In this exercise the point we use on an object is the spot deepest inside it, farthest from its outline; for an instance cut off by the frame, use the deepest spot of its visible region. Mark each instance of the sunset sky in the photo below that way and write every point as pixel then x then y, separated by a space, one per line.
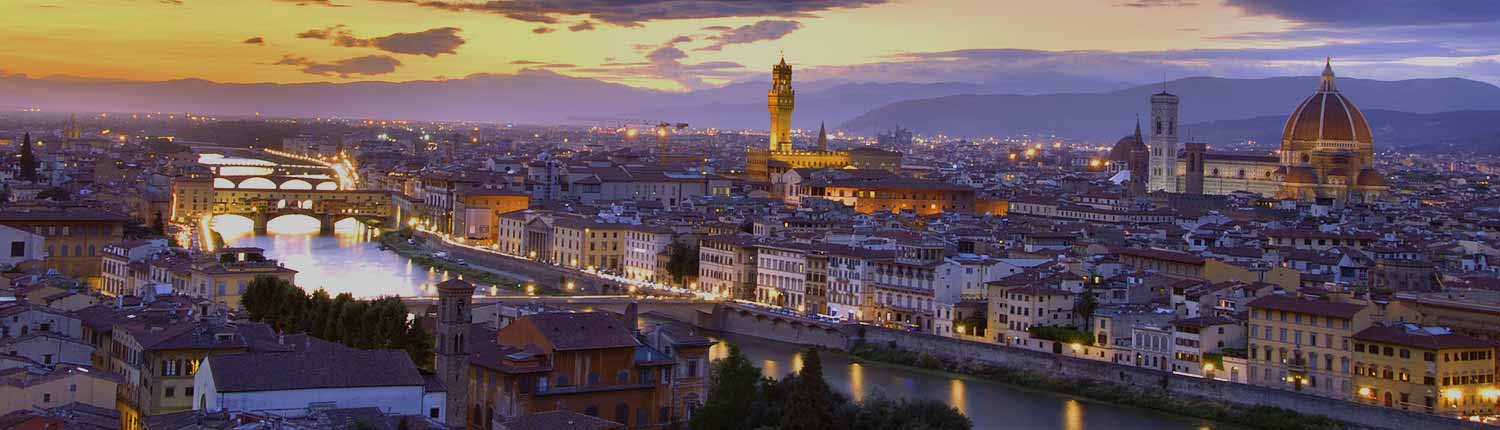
pixel 690 44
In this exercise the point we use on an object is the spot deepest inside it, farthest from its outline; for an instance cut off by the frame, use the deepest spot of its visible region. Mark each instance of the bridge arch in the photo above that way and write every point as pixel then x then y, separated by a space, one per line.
pixel 296 184
pixel 294 224
pixel 328 186
pixel 257 183
pixel 222 183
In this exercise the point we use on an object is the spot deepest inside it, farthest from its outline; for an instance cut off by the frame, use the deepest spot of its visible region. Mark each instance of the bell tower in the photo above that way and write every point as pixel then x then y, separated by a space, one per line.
pixel 780 101
pixel 1163 144
pixel 451 348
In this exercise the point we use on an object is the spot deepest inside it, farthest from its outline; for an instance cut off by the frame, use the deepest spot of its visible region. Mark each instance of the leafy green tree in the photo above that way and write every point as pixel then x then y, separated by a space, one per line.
pixel 1086 306
pixel 732 388
pixel 682 262
pixel 809 407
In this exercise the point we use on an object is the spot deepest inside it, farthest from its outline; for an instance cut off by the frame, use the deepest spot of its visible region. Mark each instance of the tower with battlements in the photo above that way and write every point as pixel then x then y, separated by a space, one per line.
pixel 780 101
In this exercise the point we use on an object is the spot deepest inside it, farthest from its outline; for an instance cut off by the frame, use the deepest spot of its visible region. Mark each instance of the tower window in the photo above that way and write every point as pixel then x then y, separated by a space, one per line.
pixel 1158 126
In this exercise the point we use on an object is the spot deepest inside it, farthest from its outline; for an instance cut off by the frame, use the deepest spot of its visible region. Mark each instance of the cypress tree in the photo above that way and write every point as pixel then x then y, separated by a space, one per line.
pixel 28 160
pixel 810 406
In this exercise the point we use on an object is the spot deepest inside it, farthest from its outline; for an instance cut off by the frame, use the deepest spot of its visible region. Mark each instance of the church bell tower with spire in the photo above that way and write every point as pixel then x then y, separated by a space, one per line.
pixel 780 101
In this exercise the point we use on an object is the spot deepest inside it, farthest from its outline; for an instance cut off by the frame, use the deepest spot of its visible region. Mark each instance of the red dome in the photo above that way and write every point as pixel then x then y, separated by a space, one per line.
pixel 1326 117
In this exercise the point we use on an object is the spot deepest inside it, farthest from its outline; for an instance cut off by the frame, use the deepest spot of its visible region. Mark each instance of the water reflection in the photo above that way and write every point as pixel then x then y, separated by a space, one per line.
pixel 991 405
pixel 347 261
pixel 1073 415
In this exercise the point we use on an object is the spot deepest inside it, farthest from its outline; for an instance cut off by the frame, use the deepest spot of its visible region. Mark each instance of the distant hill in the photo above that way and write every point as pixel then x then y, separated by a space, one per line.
pixel 532 97
pixel 1112 114
pixel 744 105
pixel 1467 130
pixel 529 97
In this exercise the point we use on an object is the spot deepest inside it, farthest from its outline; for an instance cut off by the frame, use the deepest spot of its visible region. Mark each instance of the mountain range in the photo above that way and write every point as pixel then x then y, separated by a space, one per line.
pixel 1213 106
pixel 1463 130
pixel 1112 114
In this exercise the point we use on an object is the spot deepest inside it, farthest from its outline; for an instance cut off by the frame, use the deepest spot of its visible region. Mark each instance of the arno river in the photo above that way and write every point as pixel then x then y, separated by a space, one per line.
pixel 349 261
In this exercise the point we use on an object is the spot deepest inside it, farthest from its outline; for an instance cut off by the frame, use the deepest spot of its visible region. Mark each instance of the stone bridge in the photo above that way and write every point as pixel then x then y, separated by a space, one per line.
pixel 277 182
pixel 329 207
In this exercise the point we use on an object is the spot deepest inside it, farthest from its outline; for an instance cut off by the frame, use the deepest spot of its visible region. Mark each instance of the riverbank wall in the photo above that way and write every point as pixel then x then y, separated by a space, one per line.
pixel 748 321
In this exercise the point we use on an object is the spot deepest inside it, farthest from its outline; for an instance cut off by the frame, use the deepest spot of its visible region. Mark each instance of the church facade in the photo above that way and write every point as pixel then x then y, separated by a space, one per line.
pixel 1327 153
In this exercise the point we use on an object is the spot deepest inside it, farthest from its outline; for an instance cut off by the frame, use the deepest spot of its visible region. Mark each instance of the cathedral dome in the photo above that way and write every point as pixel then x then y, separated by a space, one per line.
pixel 1326 120
pixel 1370 178
pixel 1121 151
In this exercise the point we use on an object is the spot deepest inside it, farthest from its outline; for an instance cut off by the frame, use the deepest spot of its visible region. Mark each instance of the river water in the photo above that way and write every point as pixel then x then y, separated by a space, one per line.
pixel 350 261
pixel 991 405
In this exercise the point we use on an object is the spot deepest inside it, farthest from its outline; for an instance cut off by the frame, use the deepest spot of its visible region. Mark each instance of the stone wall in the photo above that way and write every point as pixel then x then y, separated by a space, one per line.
pixel 781 328
pixel 1056 364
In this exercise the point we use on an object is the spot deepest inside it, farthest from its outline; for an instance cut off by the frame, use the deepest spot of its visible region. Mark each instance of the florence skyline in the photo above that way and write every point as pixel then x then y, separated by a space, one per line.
pixel 679 45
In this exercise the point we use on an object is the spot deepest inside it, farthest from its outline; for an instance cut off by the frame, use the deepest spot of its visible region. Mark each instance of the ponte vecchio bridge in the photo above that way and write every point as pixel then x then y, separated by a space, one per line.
pixel 328 206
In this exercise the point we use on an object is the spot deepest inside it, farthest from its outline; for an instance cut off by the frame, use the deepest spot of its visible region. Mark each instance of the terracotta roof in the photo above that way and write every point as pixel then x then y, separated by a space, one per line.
pixel 1313 307
pixel 583 330
pixel 328 368
pixel 1416 337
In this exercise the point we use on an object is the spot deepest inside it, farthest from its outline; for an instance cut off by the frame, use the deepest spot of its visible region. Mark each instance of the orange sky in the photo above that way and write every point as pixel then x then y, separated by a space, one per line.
pixel 160 40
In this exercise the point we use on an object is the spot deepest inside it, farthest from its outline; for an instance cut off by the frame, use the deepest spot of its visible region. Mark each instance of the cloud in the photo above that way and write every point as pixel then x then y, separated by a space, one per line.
pixel 531 17
pixel 542 30
pixel 636 12
pixel 431 43
pixel 340 36
pixel 366 65
pixel 542 64
pixel 717 28
pixel 1157 3
pixel 759 31
pixel 1021 69
pixel 170 2
pixel 328 3
pixel 1358 13
pixel 582 26
pixel 257 40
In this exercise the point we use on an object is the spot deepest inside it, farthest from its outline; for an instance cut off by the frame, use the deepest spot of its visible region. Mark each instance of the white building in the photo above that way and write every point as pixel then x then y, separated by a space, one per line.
pixel 642 244
pixel 21 245
pixel 292 384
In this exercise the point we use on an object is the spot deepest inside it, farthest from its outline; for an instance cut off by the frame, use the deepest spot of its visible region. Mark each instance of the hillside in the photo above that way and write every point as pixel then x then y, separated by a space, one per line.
pixel 1109 115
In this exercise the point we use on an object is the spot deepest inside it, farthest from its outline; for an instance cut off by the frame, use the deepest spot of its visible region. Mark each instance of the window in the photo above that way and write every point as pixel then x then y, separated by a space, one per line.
pixel 17 249
pixel 432 413
pixel 171 391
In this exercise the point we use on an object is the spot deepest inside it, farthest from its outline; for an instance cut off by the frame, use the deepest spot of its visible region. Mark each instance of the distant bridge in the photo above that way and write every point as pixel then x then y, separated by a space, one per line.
pixel 275 182
pixel 679 309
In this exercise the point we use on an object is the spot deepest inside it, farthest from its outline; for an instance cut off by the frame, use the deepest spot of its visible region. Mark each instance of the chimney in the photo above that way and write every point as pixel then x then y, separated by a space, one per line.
pixel 631 319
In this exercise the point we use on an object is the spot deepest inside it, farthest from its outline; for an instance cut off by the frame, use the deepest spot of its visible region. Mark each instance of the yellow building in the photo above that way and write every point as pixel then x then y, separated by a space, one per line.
pixel 192 198
pixel 1304 345
pixel 158 359
pixel 1427 369
pixel 20 389
pixel 224 276
pixel 75 237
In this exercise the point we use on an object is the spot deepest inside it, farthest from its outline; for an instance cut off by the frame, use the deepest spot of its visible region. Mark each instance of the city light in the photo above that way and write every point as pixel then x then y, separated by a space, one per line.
pixel 1366 392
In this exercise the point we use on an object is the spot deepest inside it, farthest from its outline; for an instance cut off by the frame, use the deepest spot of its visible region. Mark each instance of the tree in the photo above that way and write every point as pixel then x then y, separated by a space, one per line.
pixel 28 160
pixel 732 388
pixel 56 194
pixel 683 261
pixel 1086 306
pixel 809 407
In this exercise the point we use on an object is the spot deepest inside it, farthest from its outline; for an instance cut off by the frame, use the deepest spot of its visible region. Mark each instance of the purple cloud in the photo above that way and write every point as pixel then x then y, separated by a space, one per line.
pixel 759 31
pixel 366 65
